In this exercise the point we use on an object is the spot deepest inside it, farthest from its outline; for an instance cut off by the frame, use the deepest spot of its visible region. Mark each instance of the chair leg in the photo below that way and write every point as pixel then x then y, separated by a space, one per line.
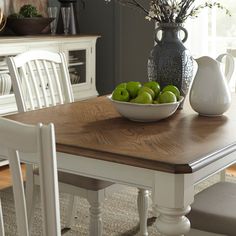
pixel 143 201
pixel 2 233
pixel 95 199
pixel 71 211
pixel 30 193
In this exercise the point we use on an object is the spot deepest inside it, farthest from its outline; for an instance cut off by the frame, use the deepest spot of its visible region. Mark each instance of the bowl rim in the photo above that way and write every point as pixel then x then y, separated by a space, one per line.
pixel 151 105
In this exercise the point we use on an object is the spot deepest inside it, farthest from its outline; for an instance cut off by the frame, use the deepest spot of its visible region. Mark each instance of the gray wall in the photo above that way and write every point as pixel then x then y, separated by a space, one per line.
pixel 125 43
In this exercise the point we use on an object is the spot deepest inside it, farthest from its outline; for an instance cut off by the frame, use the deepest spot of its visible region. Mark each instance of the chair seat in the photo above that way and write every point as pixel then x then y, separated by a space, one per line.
pixel 80 181
pixel 213 209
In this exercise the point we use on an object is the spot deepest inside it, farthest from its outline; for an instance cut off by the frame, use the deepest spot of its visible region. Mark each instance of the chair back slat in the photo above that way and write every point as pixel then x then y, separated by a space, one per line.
pixel 35 88
pixel 42 145
pixel 58 86
pixel 50 82
pixel 26 93
pixel 19 194
pixel 42 82
pixel 40 79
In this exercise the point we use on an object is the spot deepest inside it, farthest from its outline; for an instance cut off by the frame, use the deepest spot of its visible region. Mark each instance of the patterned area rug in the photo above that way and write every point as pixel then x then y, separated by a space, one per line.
pixel 120 215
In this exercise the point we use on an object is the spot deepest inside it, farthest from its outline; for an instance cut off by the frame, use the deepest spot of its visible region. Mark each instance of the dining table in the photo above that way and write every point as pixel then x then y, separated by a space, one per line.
pixel 168 157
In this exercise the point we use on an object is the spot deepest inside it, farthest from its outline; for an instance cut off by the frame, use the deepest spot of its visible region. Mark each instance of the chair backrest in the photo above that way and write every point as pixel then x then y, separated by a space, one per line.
pixel 40 79
pixel 17 138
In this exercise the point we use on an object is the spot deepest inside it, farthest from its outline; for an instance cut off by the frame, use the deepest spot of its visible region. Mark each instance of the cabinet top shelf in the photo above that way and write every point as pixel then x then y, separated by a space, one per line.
pixel 13 39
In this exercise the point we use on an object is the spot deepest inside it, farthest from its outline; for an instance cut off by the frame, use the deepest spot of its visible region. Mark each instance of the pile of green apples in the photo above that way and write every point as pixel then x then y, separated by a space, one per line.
pixel 147 93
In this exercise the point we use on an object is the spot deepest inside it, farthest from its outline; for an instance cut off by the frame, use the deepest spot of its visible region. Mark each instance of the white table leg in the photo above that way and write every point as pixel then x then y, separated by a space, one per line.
pixel 172 195
pixel 173 221
pixel 95 199
pixel 143 197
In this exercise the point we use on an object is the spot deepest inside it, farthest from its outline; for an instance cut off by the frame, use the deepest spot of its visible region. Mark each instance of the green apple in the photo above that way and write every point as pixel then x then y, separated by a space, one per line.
pixel 143 98
pixel 121 85
pixel 146 89
pixel 120 94
pixel 173 89
pixel 154 86
pixel 133 88
pixel 167 97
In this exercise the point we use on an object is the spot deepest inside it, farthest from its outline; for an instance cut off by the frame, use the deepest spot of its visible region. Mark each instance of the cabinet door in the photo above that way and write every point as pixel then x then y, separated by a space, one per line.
pixel 81 64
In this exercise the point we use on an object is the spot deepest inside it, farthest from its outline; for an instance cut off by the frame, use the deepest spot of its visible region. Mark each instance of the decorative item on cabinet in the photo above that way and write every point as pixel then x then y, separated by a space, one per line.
pixel 53 13
pixel 2 20
pixel 28 26
pixel 73 21
pixel 28 21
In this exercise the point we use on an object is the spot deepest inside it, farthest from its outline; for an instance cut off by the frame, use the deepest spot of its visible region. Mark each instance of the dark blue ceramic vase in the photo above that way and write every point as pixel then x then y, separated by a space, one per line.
pixel 169 61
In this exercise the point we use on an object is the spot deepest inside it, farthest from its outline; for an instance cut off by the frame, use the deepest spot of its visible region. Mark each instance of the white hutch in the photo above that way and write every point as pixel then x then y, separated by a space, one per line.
pixel 80 52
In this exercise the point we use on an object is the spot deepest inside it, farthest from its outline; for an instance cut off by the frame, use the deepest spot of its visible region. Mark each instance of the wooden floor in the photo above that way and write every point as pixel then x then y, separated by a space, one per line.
pixel 5 179
pixel 232 170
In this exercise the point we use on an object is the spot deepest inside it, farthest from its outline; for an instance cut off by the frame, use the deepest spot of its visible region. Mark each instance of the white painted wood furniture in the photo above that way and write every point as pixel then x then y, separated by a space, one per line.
pixel 17 139
pixel 41 79
pixel 168 157
pixel 2 231
pixel 80 53
pixel 212 210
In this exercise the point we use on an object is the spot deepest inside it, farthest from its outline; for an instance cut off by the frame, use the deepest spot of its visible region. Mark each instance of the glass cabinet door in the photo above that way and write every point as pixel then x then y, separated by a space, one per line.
pixel 77 66
pixel 81 64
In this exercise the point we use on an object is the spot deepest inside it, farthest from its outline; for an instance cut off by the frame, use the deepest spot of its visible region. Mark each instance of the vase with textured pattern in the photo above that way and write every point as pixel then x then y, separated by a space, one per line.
pixel 169 61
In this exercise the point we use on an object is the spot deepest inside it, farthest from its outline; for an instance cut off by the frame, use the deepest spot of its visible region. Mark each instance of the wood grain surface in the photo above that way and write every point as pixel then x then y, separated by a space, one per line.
pixel 178 144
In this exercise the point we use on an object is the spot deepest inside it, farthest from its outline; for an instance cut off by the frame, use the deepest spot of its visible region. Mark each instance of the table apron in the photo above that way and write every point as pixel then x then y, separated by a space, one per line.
pixel 214 167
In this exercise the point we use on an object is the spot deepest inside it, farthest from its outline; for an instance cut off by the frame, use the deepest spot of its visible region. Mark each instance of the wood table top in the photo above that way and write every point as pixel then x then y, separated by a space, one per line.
pixel 182 143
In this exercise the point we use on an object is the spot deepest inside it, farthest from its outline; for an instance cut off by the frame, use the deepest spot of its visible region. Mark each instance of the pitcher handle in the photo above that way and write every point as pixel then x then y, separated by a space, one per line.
pixel 229 65
pixel 180 27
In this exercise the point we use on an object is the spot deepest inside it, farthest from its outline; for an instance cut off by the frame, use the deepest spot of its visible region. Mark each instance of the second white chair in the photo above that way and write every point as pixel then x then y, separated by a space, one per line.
pixel 15 139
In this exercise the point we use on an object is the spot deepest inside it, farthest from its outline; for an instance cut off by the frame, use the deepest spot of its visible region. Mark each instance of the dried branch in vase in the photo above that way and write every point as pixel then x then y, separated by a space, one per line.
pixel 171 11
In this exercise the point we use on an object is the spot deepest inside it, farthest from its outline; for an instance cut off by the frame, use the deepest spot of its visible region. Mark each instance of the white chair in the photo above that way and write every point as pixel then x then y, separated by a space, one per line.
pixel 16 139
pixel 41 79
pixel 213 210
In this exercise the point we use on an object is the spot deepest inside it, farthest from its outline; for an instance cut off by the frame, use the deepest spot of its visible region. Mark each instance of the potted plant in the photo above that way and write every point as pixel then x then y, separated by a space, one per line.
pixel 28 21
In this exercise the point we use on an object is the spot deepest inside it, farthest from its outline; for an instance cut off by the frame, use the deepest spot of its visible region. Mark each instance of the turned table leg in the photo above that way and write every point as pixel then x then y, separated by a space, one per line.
pixel 172 196
pixel 143 198
pixel 173 222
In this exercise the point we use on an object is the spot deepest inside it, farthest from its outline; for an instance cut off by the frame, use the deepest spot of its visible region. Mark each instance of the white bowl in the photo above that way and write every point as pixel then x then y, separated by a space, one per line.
pixel 145 112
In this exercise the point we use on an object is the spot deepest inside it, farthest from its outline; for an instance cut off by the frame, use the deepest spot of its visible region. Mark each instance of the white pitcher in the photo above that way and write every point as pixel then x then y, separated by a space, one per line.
pixel 210 94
